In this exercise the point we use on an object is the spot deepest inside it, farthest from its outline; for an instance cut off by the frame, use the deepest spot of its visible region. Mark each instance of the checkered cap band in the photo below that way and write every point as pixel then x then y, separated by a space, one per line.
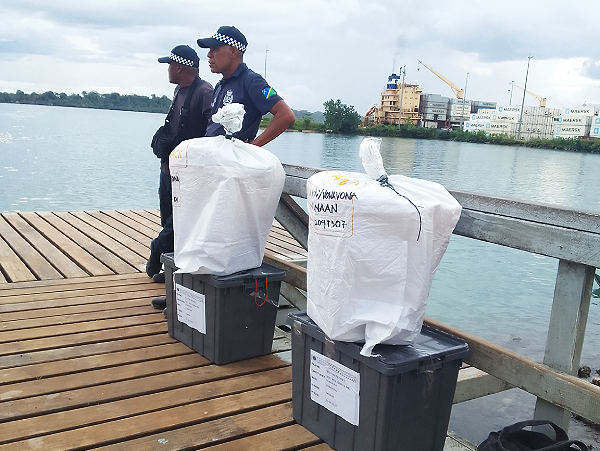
pixel 180 60
pixel 229 41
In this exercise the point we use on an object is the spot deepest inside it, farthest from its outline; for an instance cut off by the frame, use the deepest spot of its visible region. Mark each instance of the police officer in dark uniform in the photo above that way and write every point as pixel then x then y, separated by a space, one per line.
pixel 188 117
pixel 241 85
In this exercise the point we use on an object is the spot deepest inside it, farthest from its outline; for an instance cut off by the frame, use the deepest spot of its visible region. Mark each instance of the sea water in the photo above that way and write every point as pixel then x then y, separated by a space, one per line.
pixel 68 159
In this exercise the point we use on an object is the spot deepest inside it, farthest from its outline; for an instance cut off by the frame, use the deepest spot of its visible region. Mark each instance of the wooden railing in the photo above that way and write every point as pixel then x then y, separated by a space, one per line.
pixel 573 237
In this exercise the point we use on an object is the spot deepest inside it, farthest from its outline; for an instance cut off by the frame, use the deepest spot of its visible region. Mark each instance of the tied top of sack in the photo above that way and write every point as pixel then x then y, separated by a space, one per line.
pixel 230 117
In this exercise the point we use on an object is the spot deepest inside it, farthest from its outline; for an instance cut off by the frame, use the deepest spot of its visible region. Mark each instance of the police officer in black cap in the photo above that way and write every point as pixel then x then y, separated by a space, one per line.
pixel 187 118
pixel 241 85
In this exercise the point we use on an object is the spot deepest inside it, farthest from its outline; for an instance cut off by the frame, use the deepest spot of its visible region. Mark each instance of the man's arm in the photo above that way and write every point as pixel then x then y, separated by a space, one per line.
pixel 283 117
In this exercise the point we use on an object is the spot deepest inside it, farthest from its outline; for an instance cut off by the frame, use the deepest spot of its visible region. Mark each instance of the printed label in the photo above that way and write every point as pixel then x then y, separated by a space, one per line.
pixel 191 308
pixel 335 387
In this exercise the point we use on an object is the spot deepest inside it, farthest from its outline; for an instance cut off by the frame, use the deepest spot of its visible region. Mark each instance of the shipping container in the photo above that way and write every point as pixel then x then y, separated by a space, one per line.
pixel 595 131
pixel 509 109
pixel 570 130
pixel 442 105
pixel 480 117
pixel 434 111
pixel 502 126
pixel 579 111
pixel 505 117
pixel 482 104
pixel 475 126
pixel 574 120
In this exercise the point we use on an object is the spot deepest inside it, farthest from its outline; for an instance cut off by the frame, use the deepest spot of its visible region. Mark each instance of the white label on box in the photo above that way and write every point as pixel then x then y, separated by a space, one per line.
pixel 190 308
pixel 335 387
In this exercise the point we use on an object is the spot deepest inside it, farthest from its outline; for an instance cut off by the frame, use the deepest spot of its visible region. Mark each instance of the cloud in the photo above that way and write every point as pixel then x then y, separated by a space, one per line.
pixel 317 49
pixel 591 69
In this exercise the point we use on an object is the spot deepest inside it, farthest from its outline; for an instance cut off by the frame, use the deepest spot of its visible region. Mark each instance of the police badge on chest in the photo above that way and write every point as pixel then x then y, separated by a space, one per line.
pixel 228 97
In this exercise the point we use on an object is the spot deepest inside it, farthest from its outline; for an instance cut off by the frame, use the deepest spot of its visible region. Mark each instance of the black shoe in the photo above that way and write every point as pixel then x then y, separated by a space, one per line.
pixel 152 267
pixel 159 278
pixel 159 302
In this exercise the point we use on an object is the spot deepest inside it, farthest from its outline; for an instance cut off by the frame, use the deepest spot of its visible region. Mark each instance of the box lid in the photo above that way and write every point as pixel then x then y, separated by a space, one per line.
pixel 431 348
pixel 265 271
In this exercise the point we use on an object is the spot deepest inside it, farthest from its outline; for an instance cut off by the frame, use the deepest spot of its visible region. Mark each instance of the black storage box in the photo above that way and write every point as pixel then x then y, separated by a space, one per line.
pixel 238 311
pixel 400 399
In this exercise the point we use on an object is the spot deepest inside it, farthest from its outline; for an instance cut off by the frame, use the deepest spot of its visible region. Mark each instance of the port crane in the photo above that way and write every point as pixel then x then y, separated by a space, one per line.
pixel 540 99
pixel 458 91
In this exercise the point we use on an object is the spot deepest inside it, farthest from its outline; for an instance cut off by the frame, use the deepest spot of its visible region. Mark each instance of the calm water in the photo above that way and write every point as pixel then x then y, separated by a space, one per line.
pixel 55 159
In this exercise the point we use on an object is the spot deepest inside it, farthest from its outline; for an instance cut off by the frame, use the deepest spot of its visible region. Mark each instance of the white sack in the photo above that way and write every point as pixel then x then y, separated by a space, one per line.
pixel 225 193
pixel 371 256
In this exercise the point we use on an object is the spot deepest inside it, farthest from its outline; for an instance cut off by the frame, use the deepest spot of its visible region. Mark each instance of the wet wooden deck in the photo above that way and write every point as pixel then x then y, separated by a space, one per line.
pixel 87 363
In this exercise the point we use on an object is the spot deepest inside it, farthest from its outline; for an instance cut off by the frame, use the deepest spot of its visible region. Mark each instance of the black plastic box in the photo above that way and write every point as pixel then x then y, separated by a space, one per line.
pixel 405 396
pixel 239 316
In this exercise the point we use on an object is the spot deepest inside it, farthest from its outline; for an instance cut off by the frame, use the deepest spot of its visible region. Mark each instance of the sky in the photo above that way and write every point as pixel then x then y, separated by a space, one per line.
pixel 312 51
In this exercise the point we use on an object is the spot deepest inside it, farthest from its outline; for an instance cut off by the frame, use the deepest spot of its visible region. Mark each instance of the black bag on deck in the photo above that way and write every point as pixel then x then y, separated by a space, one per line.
pixel 516 438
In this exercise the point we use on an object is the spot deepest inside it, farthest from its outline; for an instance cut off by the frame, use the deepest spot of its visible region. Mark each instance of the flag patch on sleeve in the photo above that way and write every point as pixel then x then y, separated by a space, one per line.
pixel 269 92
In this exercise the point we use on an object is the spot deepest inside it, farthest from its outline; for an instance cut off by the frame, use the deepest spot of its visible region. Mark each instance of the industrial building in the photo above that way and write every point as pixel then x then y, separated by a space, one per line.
pixel 402 103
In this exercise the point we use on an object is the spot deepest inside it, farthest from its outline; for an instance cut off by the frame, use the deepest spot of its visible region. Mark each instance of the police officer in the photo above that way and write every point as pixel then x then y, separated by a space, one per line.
pixel 181 124
pixel 242 85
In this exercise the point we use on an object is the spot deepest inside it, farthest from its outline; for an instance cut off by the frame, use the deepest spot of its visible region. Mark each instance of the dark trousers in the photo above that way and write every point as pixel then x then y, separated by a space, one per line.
pixel 165 241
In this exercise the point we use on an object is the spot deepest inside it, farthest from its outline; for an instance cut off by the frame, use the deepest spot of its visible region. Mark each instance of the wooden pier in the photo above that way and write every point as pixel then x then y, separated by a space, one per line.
pixel 87 363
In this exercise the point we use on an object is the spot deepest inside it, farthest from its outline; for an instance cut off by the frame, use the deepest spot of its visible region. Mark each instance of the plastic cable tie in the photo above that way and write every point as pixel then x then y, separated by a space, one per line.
pixel 329 348
pixel 297 327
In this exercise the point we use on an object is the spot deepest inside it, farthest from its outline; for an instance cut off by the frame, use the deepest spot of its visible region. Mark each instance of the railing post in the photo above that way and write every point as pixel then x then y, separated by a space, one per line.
pixel 566 331
pixel 295 220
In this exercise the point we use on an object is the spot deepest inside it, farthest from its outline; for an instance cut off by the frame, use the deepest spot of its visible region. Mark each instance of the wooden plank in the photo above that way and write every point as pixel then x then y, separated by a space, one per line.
pixel 12 266
pixel 97 361
pixel 112 306
pixel 35 262
pixel 97 336
pixel 543 239
pixel 123 260
pixel 530 211
pixel 148 228
pixel 71 242
pixel 118 232
pixel 131 231
pixel 119 409
pixel 68 352
pixel 19 336
pixel 111 390
pixel 65 266
pixel 289 437
pixel 91 295
pixel 48 286
pixel 150 215
pixel 473 383
pixel 564 390
pixel 568 319
pixel 63 318
pixel 45 386
pixel 209 428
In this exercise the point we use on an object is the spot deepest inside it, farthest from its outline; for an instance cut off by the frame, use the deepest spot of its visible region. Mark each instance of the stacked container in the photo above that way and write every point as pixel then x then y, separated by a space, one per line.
pixel 433 108
pixel 459 110
pixel 573 122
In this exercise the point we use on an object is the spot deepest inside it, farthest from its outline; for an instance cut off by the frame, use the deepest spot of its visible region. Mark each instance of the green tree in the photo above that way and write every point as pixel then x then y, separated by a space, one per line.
pixel 340 117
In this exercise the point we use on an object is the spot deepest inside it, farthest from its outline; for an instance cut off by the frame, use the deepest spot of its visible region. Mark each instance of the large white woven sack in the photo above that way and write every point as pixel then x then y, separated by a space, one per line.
pixel 225 193
pixel 372 254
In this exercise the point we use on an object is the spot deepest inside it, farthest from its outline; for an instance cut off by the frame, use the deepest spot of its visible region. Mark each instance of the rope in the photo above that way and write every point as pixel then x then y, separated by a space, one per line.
pixel 383 180
pixel 256 292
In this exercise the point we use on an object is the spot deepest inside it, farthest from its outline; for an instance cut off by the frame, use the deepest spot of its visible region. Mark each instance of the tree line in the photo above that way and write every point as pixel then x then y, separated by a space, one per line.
pixel 91 99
